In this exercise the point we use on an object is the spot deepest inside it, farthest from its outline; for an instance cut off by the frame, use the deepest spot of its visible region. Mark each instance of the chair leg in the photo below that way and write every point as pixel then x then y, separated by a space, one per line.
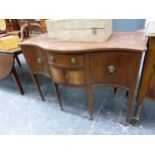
pixel 36 82
pixel 55 86
pixel 17 80
pixel 18 61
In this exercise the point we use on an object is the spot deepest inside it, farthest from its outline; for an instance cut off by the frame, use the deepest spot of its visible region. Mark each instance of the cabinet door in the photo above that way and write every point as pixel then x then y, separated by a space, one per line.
pixel 58 75
pixel 68 76
pixel 36 59
pixel 75 77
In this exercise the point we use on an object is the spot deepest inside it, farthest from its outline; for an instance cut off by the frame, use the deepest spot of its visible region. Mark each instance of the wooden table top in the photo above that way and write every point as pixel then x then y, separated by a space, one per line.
pixel 118 40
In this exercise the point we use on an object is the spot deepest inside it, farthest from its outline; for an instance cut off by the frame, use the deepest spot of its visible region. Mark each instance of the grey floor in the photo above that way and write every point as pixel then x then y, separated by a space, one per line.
pixel 29 115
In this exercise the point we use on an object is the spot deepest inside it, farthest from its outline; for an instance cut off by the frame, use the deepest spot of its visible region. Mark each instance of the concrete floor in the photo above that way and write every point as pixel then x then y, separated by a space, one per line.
pixel 29 115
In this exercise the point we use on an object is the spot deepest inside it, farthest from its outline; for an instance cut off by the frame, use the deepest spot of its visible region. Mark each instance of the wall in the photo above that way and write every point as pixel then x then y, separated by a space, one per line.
pixel 128 24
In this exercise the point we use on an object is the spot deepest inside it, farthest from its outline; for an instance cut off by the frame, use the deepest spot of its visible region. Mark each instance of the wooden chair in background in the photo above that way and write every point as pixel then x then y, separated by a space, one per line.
pixel 7 67
pixel 7 58
pixel 10 27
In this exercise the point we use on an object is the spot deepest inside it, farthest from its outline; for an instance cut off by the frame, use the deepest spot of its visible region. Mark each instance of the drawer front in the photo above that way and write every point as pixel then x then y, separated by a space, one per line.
pixel 66 60
pixel 112 68
pixel 68 76
pixel 36 59
pixel 58 75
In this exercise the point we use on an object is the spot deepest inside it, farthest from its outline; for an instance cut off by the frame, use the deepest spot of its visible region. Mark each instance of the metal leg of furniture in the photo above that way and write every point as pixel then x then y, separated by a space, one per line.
pixel 130 106
pixel 55 86
pixel 17 80
pixel 36 82
pixel 18 61
pixel 90 101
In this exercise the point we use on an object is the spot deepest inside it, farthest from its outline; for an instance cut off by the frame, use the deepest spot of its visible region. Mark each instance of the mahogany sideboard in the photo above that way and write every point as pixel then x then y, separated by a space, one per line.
pixel 115 63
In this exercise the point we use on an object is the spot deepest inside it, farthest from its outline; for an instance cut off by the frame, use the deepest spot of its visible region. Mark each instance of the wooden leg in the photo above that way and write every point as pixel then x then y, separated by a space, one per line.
pixel 18 61
pixel 36 82
pixel 135 120
pixel 90 101
pixel 130 106
pixel 17 80
pixel 55 86
pixel 139 107
pixel 115 90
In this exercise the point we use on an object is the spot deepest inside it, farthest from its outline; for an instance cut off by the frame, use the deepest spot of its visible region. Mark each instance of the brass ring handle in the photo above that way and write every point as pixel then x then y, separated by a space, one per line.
pixel 39 61
pixel 73 60
pixel 111 70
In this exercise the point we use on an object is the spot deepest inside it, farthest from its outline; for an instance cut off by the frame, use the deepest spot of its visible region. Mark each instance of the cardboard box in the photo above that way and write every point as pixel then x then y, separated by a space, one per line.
pixel 89 30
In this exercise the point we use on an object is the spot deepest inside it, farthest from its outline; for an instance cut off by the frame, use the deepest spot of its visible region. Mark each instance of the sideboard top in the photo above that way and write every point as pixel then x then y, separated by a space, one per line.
pixel 118 40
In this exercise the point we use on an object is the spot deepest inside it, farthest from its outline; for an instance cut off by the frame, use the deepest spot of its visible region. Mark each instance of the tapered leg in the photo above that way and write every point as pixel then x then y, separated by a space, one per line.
pixel 55 86
pixel 18 61
pixel 90 101
pixel 135 119
pixel 130 106
pixel 17 80
pixel 36 82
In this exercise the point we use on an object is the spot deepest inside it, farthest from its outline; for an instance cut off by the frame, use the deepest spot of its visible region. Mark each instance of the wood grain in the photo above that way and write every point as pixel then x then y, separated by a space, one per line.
pixel 118 40
pixel 87 64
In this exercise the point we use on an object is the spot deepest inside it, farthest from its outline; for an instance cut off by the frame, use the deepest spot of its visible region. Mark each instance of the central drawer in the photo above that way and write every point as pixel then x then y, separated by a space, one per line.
pixel 66 60
pixel 112 68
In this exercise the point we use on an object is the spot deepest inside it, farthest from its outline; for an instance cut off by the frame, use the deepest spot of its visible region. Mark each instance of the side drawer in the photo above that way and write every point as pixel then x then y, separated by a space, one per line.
pixel 114 68
pixel 36 59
